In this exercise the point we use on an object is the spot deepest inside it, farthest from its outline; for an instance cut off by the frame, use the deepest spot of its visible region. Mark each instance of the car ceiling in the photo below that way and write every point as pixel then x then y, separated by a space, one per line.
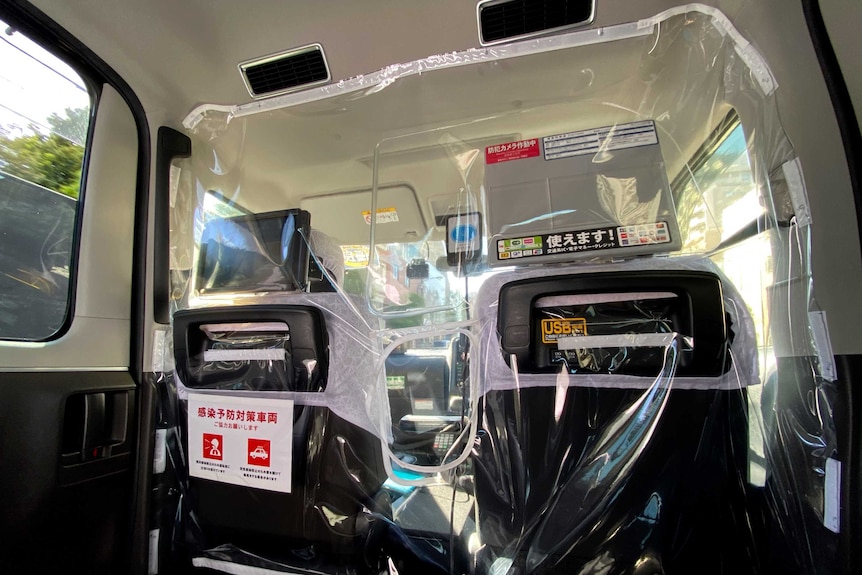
pixel 178 55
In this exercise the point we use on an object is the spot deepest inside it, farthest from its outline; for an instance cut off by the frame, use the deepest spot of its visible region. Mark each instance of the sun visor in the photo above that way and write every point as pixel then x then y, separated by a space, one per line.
pixel 346 216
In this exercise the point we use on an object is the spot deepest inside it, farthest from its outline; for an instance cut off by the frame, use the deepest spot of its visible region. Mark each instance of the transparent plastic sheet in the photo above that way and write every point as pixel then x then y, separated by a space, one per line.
pixel 585 478
pixel 340 516
pixel 343 515
pixel 396 168
pixel 581 471
pixel 252 356
pixel 496 371
pixel 647 316
pixel 428 394
pixel 347 331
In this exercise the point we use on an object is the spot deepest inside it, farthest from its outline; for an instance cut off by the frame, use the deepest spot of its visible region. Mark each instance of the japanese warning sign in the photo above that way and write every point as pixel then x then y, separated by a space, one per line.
pixel 241 440
pixel 512 151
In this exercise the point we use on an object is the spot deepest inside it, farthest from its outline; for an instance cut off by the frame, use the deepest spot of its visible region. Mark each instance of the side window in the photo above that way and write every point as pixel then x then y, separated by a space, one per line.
pixel 719 203
pixel 44 117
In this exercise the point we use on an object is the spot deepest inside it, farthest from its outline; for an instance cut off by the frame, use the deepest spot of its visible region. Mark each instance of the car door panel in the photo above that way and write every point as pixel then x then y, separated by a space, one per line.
pixel 61 505
pixel 69 426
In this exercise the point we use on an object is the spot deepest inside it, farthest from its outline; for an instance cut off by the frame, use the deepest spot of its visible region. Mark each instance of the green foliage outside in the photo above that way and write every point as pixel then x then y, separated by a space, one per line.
pixel 53 161
pixel 354 281
pixel 73 125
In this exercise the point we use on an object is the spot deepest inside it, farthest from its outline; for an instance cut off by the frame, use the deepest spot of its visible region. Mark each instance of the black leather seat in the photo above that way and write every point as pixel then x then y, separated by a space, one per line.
pixel 603 476
pixel 337 471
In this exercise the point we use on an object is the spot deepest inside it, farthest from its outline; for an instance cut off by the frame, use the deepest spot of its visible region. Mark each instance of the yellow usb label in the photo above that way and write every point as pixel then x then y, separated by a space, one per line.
pixel 554 329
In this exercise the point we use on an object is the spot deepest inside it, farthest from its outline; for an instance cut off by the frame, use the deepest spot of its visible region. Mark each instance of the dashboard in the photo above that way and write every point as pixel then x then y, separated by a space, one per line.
pixel 426 391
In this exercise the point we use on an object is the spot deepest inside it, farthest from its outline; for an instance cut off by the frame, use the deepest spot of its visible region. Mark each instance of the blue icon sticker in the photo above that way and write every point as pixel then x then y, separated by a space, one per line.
pixel 463 233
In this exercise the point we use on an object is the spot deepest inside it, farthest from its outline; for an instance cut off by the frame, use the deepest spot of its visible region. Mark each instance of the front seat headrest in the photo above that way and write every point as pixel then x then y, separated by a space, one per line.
pixel 329 253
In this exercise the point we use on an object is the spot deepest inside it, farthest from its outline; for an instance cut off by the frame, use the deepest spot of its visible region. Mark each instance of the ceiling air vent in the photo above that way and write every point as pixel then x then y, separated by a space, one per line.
pixel 285 71
pixel 513 19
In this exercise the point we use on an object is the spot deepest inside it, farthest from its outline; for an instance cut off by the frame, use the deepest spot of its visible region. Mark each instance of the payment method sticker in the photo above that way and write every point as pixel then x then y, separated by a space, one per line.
pixel 584 240
pixel 555 329
pixel 519 247
pixel 395 381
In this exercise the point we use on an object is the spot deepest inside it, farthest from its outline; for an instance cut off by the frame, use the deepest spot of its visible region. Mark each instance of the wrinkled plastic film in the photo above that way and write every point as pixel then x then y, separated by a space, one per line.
pixel 339 494
pixel 544 538
pixel 798 438
pixel 337 518
pixel 302 382
pixel 595 463
pixel 745 371
pixel 560 433
pixel 257 355
pixel 428 427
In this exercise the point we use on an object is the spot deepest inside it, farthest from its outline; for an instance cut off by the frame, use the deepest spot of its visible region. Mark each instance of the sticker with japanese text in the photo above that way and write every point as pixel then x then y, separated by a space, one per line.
pixel 512 151
pixel 618 137
pixel 241 440
pixel 384 216
pixel 555 329
pixel 583 240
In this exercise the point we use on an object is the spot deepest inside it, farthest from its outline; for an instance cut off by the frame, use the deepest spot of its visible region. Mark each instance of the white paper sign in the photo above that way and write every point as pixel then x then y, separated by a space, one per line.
pixel 832 496
pixel 241 440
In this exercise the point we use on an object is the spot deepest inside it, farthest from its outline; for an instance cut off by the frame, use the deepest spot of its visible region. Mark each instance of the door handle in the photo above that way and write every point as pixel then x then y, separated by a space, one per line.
pixel 94 426
pixel 94 423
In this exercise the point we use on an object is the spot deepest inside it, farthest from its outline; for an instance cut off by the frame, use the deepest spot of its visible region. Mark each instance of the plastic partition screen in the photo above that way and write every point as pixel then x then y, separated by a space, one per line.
pixel 573 327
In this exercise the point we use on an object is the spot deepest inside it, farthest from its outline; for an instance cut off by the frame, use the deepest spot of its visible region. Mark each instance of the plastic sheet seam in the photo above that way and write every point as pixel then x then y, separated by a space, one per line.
pixel 749 54
pixel 822 344
pixel 796 187
pixel 383 78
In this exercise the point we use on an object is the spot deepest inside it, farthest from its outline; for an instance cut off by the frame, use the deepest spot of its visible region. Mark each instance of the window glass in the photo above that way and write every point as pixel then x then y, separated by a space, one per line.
pixel 725 200
pixel 718 200
pixel 44 117
pixel 217 206
pixel 409 275
pixel 719 197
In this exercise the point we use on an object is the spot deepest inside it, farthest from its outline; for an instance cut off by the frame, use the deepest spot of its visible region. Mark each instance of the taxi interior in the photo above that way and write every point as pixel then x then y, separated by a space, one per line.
pixel 501 287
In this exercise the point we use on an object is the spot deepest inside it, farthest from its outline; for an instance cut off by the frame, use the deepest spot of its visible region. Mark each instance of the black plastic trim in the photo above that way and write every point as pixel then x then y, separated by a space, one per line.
pixel 305 324
pixel 170 145
pixel 847 412
pixel 286 72
pixel 501 20
pixel 38 530
pixel 699 313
